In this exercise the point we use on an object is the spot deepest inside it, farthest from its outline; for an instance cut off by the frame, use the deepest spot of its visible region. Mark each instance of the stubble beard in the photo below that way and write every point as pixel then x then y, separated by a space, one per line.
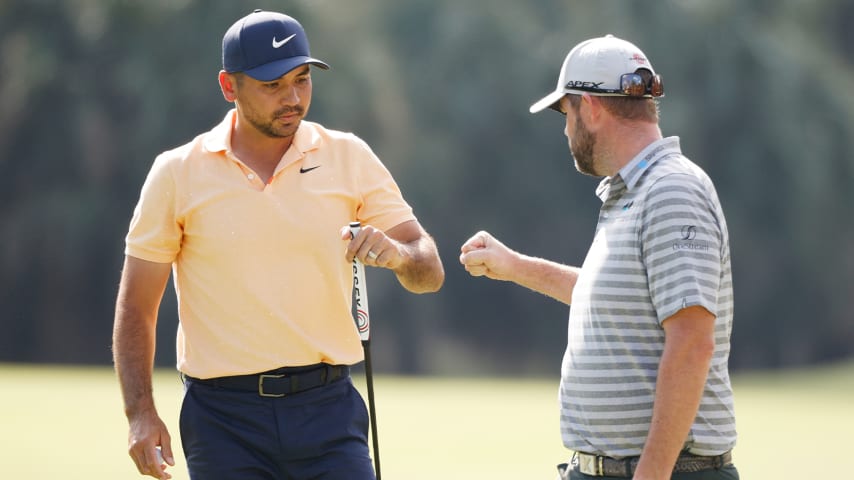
pixel 582 149
pixel 270 129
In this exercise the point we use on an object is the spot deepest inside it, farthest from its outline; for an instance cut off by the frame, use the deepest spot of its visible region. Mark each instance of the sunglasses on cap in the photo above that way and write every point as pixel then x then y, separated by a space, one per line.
pixel 631 85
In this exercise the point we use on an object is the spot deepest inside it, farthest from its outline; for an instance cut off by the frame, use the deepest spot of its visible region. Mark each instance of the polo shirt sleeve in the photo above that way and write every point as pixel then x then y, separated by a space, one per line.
pixel 681 245
pixel 155 233
pixel 381 201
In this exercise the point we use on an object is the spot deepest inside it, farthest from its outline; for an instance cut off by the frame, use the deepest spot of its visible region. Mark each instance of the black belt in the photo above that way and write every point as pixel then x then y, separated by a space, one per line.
pixel 279 382
pixel 600 466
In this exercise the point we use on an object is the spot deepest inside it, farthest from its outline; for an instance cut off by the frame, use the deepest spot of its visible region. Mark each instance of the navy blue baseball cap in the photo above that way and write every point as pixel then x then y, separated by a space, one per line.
pixel 265 46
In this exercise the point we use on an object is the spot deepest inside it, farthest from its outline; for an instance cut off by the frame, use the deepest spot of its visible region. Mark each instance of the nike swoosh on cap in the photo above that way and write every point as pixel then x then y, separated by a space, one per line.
pixel 277 44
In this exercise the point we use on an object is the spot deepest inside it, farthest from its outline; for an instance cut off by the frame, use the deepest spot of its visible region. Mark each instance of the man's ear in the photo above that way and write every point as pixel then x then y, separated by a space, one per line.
pixel 227 84
pixel 593 110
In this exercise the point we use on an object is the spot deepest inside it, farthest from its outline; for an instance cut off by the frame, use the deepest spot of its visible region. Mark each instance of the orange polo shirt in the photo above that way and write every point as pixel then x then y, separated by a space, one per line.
pixel 259 269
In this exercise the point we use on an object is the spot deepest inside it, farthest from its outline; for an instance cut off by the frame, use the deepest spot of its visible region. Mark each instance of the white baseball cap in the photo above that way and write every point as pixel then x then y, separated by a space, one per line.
pixel 598 67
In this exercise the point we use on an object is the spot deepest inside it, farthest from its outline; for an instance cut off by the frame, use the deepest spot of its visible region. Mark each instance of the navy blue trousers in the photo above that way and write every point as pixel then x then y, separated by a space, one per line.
pixel 319 434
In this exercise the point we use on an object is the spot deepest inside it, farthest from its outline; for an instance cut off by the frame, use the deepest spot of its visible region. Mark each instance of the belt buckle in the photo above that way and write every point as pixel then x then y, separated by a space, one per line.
pixel 590 464
pixel 261 386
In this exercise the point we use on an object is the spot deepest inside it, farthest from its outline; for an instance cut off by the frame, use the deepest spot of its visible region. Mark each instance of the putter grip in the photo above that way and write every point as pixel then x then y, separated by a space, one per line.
pixel 355 227
pixel 360 292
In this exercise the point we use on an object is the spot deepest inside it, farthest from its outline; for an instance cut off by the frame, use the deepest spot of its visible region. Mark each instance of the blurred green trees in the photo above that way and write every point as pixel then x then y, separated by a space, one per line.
pixel 760 94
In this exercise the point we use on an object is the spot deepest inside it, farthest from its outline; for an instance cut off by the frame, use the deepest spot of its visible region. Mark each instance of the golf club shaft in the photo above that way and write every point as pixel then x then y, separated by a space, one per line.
pixel 369 378
pixel 363 324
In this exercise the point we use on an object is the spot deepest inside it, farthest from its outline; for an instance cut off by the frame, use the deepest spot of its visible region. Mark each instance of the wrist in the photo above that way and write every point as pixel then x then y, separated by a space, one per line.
pixel 140 410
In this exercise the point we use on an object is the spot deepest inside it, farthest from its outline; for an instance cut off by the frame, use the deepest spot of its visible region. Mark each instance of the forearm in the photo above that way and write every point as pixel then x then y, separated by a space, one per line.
pixel 134 326
pixel 682 376
pixel 544 276
pixel 484 255
pixel 133 356
pixel 421 271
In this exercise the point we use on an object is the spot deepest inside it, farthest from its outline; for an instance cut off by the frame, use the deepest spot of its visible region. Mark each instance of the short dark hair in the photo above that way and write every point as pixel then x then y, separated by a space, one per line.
pixel 644 109
pixel 239 77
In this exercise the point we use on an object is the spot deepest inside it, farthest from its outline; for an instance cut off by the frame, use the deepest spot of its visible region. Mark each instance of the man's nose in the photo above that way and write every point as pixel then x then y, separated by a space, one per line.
pixel 290 96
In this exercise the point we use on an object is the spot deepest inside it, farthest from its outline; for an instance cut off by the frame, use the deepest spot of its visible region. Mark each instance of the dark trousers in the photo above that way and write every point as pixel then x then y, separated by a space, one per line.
pixel 725 473
pixel 319 434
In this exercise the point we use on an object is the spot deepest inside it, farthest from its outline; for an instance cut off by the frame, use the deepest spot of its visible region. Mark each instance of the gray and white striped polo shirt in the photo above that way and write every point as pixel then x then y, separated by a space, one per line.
pixel 661 245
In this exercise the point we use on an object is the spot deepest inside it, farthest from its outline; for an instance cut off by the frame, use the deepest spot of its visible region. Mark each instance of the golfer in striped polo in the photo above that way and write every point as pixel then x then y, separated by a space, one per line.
pixel 645 390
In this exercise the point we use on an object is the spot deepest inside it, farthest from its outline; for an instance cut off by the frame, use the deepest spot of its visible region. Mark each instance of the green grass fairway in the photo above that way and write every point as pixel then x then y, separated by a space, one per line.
pixel 67 423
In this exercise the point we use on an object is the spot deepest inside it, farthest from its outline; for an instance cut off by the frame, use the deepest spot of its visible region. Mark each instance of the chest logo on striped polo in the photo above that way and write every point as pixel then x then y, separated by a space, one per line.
pixel 689 232
pixel 688 240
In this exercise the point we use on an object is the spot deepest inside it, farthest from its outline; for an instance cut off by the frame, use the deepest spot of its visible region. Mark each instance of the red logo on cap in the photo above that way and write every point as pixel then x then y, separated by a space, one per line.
pixel 639 58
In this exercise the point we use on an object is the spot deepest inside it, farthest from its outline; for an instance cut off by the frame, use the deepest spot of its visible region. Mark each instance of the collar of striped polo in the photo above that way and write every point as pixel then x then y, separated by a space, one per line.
pixel 633 170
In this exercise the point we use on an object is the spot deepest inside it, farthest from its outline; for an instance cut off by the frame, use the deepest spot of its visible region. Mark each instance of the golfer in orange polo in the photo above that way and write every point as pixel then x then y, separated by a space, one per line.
pixel 250 219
